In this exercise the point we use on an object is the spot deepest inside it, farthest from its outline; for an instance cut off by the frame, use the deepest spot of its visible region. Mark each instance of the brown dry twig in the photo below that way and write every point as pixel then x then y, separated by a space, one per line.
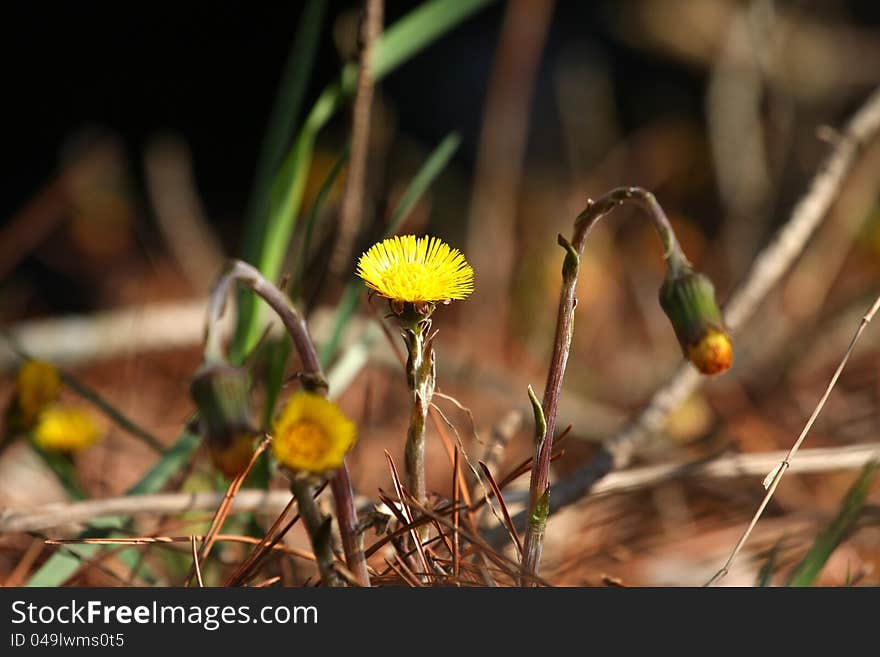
pixel 771 481
pixel 820 459
pixel 170 540
pixel 545 412
pixel 223 511
pixel 353 197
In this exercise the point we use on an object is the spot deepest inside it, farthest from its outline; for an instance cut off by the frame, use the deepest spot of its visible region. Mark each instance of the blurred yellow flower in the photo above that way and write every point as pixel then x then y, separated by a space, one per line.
pixel 37 386
pixel 66 429
pixel 416 270
pixel 312 434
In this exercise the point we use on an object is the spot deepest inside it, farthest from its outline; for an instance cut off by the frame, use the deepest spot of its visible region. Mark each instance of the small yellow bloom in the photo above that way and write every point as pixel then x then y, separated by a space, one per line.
pixel 312 434
pixel 37 386
pixel 416 270
pixel 66 429
pixel 713 354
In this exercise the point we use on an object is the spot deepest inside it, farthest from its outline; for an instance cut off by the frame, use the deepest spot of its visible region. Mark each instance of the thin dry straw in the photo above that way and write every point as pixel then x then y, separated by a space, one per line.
pixel 355 184
pixel 771 481
pixel 34 519
pixel 196 566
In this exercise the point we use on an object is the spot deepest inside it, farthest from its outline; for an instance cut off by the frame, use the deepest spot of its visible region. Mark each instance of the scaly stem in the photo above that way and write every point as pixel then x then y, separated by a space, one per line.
pixel 312 378
pixel 318 527
pixel 420 378
pixel 539 484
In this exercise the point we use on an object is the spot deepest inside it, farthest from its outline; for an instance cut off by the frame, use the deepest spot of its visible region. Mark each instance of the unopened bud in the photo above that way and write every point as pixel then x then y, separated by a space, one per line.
pixel 222 396
pixel 688 299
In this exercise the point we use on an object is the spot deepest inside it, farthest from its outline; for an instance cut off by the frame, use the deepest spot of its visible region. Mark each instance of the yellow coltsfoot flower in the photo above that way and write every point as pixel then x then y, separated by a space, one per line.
pixel 36 386
pixel 422 270
pixel 312 434
pixel 66 429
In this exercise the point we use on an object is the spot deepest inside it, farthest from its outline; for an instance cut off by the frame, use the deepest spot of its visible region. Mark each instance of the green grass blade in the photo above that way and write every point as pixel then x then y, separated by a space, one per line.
pixel 423 179
pixel 833 535
pixel 61 565
pixel 311 221
pixel 171 463
pixel 275 355
pixel 346 308
pixel 111 412
pixel 279 132
pixel 64 470
pixel 400 42
pixel 419 29
pixel 765 575
pixel 291 93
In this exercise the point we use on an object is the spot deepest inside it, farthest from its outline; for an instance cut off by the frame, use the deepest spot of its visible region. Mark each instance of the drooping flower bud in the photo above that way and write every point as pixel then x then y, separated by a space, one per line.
pixel 222 395
pixel 688 299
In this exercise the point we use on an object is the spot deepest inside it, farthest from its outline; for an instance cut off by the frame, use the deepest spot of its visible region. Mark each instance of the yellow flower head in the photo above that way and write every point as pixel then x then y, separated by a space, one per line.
pixel 37 386
pixel 312 434
pixel 66 429
pixel 713 353
pixel 416 270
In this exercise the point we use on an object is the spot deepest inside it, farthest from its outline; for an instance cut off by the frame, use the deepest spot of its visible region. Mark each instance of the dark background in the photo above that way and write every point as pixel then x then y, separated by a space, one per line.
pixel 208 71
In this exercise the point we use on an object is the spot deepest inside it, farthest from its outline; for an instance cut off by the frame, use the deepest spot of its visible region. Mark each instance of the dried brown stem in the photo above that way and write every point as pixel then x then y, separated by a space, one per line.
pixel 539 485
pixel 353 198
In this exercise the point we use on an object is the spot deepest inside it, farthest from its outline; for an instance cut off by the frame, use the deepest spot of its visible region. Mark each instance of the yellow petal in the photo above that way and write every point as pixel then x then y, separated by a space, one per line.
pixel 411 269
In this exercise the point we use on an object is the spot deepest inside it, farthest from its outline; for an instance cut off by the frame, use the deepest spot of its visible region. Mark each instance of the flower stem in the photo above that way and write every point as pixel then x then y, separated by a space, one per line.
pixel 313 380
pixel 318 527
pixel 539 484
pixel 420 378
pixel 346 516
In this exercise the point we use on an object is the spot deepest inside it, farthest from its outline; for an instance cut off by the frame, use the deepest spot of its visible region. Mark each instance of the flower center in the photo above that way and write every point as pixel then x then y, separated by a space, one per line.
pixel 307 442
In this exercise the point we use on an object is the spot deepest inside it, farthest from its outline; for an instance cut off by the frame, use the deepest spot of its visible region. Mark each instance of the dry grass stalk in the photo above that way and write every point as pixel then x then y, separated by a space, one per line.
pixel 196 567
pixel 223 510
pixel 353 197
pixel 771 481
